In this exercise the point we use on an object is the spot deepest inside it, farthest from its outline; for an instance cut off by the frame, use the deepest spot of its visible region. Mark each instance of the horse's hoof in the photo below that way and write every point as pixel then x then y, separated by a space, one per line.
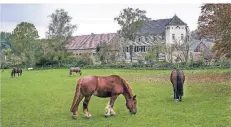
pixel 113 114
pixel 106 116
pixel 89 116
pixel 74 117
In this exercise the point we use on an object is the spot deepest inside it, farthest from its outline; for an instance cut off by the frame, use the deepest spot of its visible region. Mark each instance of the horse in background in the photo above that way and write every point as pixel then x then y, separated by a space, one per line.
pixel 177 78
pixel 75 69
pixel 16 70
pixel 104 87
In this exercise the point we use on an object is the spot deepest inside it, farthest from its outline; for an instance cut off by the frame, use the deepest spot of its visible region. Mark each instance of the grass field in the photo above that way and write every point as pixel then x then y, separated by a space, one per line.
pixel 43 98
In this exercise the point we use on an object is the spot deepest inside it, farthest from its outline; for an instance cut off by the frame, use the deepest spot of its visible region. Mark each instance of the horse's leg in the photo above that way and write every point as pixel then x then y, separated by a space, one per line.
pixel 175 93
pixel 70 73
pixel 85 106
pixel 180 98
pixel 75 108
pixel 109 107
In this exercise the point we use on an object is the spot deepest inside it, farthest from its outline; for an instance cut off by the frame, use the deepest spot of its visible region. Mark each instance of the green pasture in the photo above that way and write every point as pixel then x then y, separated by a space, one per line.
pixel 42 98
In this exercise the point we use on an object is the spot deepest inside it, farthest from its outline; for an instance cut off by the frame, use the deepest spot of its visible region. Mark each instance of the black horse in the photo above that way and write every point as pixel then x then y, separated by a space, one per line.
pixel 177 79
pixel 16 70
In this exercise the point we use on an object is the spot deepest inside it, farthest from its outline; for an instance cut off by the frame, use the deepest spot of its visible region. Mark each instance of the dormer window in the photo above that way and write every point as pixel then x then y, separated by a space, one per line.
pixel 177 27
pixel 146 39
pixel 139 39
pixel 154 38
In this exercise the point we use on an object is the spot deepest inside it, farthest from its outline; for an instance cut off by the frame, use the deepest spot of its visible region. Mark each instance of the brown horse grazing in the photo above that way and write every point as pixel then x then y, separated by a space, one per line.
pixel 16 70
pixel 75 69
pixel 102 86
pixel 177 78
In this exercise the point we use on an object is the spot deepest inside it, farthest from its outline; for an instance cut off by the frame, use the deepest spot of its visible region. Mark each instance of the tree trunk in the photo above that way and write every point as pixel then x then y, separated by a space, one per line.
pixel 131 52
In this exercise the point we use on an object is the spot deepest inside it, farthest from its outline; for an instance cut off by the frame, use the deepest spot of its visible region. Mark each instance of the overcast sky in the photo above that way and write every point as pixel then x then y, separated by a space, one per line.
pixel 91 18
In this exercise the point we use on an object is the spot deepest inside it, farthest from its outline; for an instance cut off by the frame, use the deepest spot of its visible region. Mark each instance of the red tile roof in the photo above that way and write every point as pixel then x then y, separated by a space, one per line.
pixel 91 41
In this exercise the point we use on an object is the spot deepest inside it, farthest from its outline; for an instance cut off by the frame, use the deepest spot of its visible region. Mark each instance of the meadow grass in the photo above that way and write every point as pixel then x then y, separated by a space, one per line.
pixel 42 98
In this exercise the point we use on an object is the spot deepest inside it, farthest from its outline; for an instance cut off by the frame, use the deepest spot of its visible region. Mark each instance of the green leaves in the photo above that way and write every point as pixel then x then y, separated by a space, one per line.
pixel 130 21
pixel 24 44
pixel 60 28
pixel 215 20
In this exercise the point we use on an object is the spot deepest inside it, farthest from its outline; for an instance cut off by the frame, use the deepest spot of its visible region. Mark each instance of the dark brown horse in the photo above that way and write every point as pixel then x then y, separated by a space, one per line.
pixel 177 78
pixel 102 86
pixel 16 70
pixel 75 69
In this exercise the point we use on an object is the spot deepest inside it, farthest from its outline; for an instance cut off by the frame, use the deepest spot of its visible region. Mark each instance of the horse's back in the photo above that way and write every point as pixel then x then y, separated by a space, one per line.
pixel 101 86
pixel 88 84
pixel 175 73
pixel 75 69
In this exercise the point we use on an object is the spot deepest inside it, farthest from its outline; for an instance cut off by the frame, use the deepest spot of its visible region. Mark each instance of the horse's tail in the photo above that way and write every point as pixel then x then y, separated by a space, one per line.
pixel 76 96
pixel 12 72
pixel 179 84
pixel 80 72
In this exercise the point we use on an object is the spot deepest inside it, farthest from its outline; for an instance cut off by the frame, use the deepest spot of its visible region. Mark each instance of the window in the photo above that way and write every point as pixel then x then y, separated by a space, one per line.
pixel 173 36
pixel 142 48
pixel 139 39
pixel 135 49
pixel 127 49
pixel 138 49
pixel 182 36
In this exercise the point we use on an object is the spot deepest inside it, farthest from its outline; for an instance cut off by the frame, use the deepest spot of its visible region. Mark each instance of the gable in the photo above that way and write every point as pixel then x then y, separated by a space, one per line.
pixel 176 21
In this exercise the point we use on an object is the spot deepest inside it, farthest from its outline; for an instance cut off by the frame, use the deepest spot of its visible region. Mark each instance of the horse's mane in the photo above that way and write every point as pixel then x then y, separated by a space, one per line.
pixel 125 84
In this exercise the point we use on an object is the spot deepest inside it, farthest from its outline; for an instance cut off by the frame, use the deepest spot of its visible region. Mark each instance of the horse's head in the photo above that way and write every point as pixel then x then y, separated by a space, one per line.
pixel 131 105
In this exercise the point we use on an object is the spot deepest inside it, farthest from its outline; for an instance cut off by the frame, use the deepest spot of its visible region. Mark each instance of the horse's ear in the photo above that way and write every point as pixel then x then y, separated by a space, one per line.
pixel 134 97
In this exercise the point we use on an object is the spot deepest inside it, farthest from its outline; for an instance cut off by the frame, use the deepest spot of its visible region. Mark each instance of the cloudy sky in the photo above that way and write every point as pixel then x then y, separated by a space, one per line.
pixel 92 18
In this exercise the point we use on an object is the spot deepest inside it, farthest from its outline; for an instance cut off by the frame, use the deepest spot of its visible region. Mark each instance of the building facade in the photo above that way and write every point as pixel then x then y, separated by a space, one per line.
pixel 162 31
pixel 165 31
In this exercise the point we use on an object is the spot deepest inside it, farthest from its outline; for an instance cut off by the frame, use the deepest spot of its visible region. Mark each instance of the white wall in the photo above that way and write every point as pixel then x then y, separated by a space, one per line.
pixel 175 30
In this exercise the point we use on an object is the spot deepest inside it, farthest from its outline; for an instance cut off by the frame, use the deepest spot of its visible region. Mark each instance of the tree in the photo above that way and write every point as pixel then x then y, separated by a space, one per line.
pixel 215 19
pixel 194 34
pixel 181 50
pixel 5 40
pixel 60 30
pixel 130 21
pixel 24 42
pixel 153 54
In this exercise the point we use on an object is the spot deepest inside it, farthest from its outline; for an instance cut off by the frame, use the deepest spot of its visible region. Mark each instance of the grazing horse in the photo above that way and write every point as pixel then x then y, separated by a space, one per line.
pixel 177 78
pixel 16 70
pixel 75 69
pixel 104 87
